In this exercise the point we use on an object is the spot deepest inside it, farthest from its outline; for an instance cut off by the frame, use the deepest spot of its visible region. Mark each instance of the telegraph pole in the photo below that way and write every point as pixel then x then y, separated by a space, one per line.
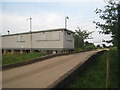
pixel 30 33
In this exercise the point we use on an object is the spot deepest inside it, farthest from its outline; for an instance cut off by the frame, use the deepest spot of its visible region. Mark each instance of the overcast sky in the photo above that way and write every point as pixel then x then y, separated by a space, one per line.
pixel 51 15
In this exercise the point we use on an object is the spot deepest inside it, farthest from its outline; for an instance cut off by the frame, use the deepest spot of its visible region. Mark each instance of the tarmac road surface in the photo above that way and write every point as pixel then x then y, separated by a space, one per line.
pixel 44 73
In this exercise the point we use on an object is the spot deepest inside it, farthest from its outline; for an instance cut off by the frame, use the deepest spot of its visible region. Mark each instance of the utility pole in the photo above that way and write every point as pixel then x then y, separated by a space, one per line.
pixel 66 22
pixel 30 33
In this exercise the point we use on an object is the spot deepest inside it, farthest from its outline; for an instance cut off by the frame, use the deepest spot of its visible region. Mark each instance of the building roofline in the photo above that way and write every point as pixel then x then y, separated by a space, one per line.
pixel 40 31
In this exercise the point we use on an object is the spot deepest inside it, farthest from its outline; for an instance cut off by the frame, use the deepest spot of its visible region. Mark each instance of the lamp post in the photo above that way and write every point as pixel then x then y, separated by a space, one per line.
pixel 8 32
pixel 66 22
pixel 30 33
pixel 30 23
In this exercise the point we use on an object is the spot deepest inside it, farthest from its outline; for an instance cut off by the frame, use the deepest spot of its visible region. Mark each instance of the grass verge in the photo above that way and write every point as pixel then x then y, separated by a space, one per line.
pixel 95 76
pixel 113 57
pixel 15 58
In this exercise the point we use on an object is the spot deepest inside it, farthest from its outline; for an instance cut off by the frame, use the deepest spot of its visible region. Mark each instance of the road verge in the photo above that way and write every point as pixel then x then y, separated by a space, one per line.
pixel 5 67
pixel 70 76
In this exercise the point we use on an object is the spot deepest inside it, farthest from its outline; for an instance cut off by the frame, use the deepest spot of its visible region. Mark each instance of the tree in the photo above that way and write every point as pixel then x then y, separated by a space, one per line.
pixel 80 36
pixel 98 46
pixel 111 17
pixel 89 46
pixel 118 27
pixel 104 46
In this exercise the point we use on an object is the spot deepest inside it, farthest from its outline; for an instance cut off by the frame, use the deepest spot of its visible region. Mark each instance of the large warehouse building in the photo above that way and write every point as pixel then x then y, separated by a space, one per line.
pixel 55 40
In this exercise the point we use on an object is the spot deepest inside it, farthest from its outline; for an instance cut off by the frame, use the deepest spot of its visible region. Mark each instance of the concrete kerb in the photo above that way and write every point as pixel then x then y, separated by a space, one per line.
pixel 70 76
pixel 5 67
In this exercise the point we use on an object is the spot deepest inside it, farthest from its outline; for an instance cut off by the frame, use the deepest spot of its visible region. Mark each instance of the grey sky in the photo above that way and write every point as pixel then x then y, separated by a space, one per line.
pixel 50 15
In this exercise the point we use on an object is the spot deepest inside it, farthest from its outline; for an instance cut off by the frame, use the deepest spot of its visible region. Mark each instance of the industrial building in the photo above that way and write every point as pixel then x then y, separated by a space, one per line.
pixel 49 41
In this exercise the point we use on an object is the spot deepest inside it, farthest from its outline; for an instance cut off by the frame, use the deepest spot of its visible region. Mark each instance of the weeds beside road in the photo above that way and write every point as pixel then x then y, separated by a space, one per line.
pixel 95 76
pixel 15 58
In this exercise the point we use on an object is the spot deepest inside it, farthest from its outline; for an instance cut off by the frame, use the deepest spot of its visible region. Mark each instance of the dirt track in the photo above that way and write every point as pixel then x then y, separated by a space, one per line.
pixel 43 73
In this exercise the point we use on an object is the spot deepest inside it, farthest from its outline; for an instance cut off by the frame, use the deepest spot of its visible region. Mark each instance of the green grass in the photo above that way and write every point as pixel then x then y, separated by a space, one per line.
pixel 79 49
pixel 15 58
pixel 95 76
pixel 113 54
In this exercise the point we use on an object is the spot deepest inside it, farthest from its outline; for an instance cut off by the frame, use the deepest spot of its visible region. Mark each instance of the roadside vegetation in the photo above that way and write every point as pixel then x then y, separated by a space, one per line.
pixel 15 58
pixel 95 76
pixel 111 26
pixel 80 43
pixel 113 54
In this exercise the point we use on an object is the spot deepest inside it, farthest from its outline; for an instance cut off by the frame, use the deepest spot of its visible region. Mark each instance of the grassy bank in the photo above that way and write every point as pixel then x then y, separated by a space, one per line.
pixel 113 54
pixel 95 76
pixel 15 58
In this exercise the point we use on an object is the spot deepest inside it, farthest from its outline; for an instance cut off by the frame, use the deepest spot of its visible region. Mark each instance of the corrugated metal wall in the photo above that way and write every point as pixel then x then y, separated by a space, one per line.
pixel 41 40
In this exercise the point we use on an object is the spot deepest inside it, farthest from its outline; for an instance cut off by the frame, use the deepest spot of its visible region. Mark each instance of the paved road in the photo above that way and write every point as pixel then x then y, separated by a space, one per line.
pixel 42 74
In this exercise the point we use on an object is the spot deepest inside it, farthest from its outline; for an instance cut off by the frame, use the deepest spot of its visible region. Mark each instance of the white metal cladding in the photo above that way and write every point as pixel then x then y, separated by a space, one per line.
pixel 43 40
pixel 68 40
pixel 48 39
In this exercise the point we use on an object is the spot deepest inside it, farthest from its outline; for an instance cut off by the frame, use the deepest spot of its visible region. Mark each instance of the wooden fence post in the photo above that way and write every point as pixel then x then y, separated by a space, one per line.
pixel 107 72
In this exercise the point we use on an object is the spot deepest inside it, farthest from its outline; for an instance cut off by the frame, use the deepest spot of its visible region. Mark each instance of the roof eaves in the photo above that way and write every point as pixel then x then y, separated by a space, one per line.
pixel 39 31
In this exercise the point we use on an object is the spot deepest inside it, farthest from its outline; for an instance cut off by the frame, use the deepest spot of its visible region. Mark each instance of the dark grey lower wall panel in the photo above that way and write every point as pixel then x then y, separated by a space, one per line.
pixel 38 48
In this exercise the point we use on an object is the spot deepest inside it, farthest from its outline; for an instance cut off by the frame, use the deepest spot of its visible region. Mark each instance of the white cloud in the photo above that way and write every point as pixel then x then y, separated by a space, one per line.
pixel 17 24
pixel 53 17
pixel 13 23
pixel 45 21
pixel 52 1
pixel 0 24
